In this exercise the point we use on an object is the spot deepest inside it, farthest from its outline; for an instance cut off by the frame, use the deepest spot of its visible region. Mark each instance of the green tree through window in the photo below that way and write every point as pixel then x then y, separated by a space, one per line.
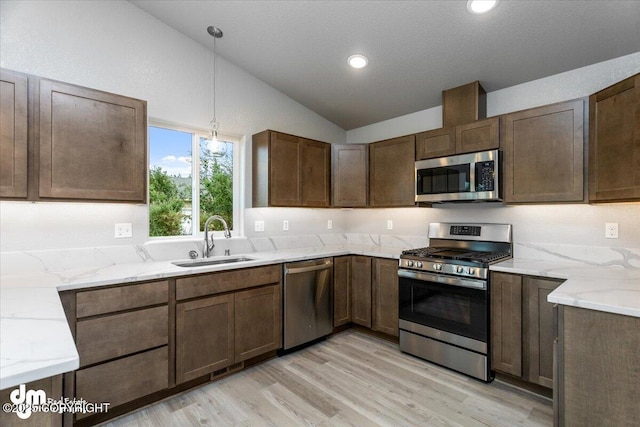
pixel 172 180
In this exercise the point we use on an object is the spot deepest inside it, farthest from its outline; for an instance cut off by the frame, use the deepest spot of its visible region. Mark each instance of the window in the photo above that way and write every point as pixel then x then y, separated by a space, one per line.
pixel 187 184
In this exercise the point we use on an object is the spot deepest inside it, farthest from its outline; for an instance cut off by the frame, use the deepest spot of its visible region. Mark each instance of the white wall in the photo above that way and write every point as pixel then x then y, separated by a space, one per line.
pixel 116 47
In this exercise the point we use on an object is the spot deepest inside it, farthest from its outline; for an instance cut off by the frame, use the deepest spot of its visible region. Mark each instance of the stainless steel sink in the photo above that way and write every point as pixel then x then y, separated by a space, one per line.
pixel 212 261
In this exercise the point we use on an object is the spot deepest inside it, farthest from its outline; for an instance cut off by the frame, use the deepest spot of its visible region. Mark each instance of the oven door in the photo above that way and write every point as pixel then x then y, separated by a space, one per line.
pixel 455 305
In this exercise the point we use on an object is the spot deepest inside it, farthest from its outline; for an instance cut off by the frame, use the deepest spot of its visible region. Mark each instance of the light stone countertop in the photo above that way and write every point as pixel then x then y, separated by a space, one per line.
pixel 604 288
pixel 35 340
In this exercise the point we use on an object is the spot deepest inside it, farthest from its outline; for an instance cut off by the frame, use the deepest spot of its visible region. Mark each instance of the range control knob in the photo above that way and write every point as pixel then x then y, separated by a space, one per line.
pixel 471 270
pixel 409 263
pixel 437 267
pixel 459 269
pixel 419 264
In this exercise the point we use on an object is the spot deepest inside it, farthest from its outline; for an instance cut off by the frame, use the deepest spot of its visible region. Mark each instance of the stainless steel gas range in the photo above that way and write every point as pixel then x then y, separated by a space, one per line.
pixel 444 295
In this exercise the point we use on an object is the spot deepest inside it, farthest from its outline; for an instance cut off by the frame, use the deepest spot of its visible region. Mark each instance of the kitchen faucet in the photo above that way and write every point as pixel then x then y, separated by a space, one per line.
pixel 208 246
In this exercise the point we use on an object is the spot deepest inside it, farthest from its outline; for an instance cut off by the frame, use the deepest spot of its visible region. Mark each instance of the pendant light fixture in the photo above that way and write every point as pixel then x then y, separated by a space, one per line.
pixel 216 147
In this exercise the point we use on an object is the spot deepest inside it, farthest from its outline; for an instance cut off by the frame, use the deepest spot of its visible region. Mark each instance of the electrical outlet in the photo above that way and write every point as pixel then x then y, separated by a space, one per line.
pixel 389 224
pixel 329 224
pixel 285 225
pixel 611 230
pixel 123 230
pixel 259 226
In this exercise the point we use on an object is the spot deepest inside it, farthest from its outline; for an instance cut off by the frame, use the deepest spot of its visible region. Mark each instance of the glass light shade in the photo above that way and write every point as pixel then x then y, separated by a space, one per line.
pixel 215 146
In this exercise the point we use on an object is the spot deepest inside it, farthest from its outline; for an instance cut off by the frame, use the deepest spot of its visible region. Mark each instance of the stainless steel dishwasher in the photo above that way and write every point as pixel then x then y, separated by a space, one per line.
pixel 308 304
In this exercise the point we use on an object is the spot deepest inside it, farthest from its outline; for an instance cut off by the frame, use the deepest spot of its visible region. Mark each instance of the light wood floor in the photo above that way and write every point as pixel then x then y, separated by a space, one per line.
pixel 351 379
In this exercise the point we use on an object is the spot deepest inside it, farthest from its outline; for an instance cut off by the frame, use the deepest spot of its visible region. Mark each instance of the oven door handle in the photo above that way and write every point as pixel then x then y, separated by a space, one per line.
pixel 453 281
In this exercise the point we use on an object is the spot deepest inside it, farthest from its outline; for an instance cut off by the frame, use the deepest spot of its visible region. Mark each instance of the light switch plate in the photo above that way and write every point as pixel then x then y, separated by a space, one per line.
pixel 285 225
pixel 123 230
pixel 611 230
pixel 389 224
pixel 259 226
pixel 329 224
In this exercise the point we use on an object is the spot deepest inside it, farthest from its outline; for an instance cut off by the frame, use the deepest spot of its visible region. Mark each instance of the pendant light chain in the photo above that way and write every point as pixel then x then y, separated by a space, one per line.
pixel 214 122
pixel 218 148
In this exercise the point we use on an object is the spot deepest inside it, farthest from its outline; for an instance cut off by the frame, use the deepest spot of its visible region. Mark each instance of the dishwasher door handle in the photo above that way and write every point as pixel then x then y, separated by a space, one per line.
pixel 327 264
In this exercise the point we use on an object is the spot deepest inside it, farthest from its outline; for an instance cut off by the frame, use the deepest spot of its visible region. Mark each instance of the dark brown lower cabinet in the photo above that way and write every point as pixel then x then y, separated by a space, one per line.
pixel 598 369
pixel 341 290
pixel 215 332
pixel 258 322
pixel 52 387
pixel 124 380
pixel 361 290
pixel 204 336
pixel 538 330
pixel 506 323
pixel 385 296
pixel 522 327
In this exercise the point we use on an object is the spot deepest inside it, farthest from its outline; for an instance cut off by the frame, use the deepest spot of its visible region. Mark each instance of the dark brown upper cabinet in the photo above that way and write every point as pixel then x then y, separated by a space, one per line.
pixel 614 142
pixel 65 142
pixel 13 134
pixel 463 104
pixel 544 154
pixel 435 143
pixel 290 171
pixel 92 144
pixel 391 172
pixel 315 168
pixel 350 165
pixel 480 135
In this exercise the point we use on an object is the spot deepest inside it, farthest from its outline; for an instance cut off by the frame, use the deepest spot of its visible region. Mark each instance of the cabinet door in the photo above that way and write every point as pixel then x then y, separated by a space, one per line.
pixel 123 380
pixel 13 134
pixel 350 175
pixel 392 172
pixel 361 290
pixel 506 323
pixel 614 142
pixel 315 159
pixel 544 149
pixel 478 136
pixel 385 296
pixel 258 323
pixel 341 290
pixel 538 330
pixel 204 336
pixel 92 144
pixel 435 143
pixel 600 375
pixel 284 170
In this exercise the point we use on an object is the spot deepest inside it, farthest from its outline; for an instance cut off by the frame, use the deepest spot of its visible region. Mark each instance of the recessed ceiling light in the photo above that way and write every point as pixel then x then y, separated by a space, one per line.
pixel 358 61
pixel 481 6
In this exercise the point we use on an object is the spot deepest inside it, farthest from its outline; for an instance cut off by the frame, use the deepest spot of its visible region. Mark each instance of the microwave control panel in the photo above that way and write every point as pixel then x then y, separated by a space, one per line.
pixel 485 176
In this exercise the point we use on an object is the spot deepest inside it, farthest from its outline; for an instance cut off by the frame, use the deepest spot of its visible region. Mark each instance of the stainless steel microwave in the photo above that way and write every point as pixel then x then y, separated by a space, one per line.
pixel 465 177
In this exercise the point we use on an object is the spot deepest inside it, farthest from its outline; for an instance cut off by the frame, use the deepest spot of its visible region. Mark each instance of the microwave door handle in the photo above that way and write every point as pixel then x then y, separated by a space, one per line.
pixel 472 177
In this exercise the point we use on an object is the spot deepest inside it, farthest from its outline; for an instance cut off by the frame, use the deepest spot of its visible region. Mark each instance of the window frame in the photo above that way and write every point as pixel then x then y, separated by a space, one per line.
pixel 238 143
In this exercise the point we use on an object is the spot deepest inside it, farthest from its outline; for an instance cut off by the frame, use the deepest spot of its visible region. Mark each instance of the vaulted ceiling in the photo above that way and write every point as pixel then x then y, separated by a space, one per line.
pixel 415 48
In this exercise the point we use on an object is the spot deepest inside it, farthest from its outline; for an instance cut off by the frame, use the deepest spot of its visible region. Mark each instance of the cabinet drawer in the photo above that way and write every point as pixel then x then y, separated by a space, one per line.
pixel 125 379
pixel 121 334
pixel 208 284
pixel 101 301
